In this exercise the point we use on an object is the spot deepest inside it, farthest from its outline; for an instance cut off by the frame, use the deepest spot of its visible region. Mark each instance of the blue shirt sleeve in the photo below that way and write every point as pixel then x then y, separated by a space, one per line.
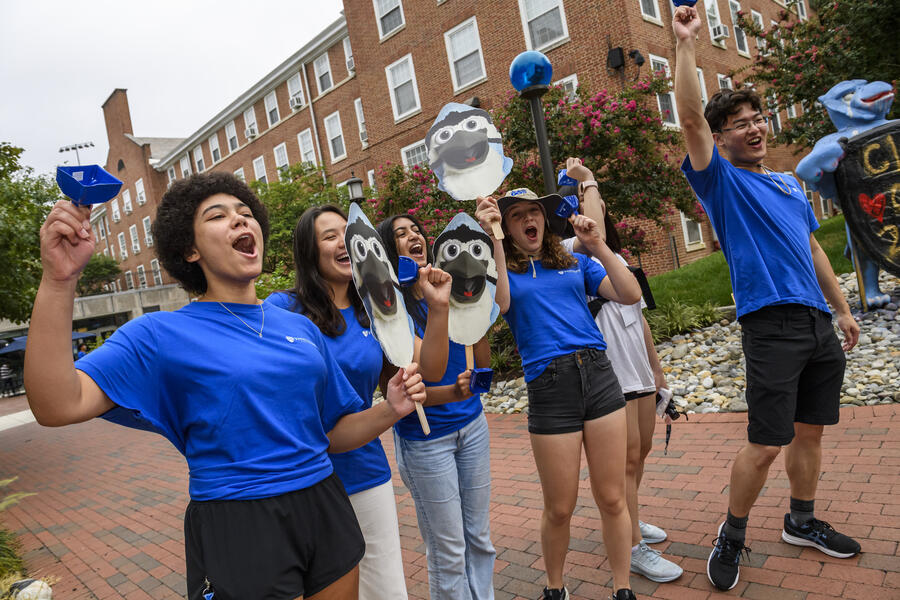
pixel 703 181
pixel 594 273
pixel 338 397
pixel 282 300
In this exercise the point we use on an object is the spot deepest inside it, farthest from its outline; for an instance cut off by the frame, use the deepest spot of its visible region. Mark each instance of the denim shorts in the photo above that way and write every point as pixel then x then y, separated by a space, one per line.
pixel 574 388
pixel 795 369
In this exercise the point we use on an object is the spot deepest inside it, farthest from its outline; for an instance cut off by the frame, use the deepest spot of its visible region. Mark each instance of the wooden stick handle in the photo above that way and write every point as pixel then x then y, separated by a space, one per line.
pixel 498 231
pixel 470 358
pixel 423 421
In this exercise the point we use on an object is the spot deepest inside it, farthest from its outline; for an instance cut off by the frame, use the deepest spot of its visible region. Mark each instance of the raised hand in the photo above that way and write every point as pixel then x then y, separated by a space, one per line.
pixel 576 170
pixel 487 212
pixel 67 241
pixel 686 23
pixel 462 385
pixel 404 389
pixel 435 285
pixel 587 231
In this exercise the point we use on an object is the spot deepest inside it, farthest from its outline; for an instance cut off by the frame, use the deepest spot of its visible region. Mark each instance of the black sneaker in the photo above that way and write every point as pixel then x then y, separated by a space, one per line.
pixel 623 594
pixel 820 535
pixel 723 567
pixel 549 594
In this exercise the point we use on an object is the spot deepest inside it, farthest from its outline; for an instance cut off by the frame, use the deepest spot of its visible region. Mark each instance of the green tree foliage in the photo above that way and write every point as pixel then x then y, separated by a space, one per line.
pixel 801 60
pixel 99 271
pixel 620 137
pixel 25 201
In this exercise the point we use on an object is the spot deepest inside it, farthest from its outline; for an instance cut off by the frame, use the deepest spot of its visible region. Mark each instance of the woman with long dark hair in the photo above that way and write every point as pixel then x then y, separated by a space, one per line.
pixel 448 473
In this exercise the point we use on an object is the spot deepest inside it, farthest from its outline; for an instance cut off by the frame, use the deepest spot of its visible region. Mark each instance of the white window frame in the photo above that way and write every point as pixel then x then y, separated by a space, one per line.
pixel 775 119
pixel 704 98
pixel 361 122
pixel 791 112
pixel 458 86
pixel 712 12
pixel 734 7
pixel 139 192
pixel 671 93
pixel 114 209
pixel 106 252
pixel 250 119
pixel 148 232
pixel 529 43
pixel 123 250
pixel 323 67
pixel 348 54
pixel 569 81
pixel 800 6
pixel 231 134
pixel 330 135
pixel 758 21
pixel 259 164
pixel 280 148
pixel 370 175
pixel 126 202
pixel 170 172
pixel 655 18
pixel 271 103
pixel 405 158
pixel 720 79
pixel 239 173
pixel 142 277
pixel 129 280
pixel 392 88
pixel 135 240
pixel 101 230
pixel 685 222
pixel 382 34
pixel 214 149
pixel 295 88
pixel 185 164
pixel 305 136
pixel 155 271
pixel 198 159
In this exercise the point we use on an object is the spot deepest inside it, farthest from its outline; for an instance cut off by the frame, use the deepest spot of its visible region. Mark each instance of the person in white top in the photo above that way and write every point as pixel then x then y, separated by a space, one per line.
pixel 634 360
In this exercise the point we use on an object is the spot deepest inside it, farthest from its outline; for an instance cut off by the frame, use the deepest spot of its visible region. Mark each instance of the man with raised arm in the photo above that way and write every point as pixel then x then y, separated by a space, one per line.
pixel 781 279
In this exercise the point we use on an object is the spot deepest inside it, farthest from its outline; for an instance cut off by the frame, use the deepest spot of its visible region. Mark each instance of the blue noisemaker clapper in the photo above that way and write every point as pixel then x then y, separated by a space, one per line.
pixel 87 184
pixel 563 179
pixel 684 2
pixel 480 382
pixel 567 207
pixel 407 271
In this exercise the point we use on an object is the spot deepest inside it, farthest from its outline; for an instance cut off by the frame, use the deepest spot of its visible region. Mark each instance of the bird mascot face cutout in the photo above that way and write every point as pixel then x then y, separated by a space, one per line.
pixel 465 252
pixel 377 284
pixel 465 152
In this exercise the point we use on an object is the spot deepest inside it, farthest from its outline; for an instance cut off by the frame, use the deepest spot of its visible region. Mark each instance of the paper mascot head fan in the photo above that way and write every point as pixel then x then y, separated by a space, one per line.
pixel 465 252
pixel 466 153
pixel 377 285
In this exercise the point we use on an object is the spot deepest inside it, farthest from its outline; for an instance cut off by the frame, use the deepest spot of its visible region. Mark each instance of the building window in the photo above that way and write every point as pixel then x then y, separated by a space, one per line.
pixel 126 202
pixel 123 251
pixel 114 208
pixel 198 159
pixel 570 86
pixel 154 269
pixel 185 164
pixel 129 280
pixel 259 169
pixel 148 235
pixel 231 134
pixel 142 277
pixel 774 119
pixel 401 78
pixel 335 135
pixel 307 150
pixel 544 22
pixel 322 68
pixel 791 112
pixel 740 38
pixel 712 19
pixel 758 21
pixel 650 10
pixel 464 51
pixel 665 101
pixel 239 173
pixel 389 14
pixel 101 230
pixel 214 148
pixel 704 99
pixel 801 9
pixel 693 234
pixel 171 173
pixel 361 122
pixel 415 155
pixel 281 157
pixel 106 252
pixel 250 123
pixel 370 175
pixel 348 56
pixel 724 82
pixel 272 108
pixel 295 92
pixel 135 242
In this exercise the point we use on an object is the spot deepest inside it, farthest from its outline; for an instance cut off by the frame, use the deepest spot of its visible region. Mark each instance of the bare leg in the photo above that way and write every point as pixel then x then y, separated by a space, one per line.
pixel 748 475
pixel 558 460
pixel 803 460
pixel 345 588
pixel 640 441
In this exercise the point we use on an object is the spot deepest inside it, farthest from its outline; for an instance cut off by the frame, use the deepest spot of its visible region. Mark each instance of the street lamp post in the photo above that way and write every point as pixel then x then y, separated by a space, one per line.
pixel 75 147
pixel 355 188
pixel 530 74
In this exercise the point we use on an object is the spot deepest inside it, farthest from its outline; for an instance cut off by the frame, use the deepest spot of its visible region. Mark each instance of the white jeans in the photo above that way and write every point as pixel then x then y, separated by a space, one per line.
pixel 381 569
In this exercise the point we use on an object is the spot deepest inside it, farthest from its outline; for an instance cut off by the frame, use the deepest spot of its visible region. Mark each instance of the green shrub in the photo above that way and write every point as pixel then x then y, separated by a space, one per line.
pixel 9 547
pixel 674 318
pixel 505 359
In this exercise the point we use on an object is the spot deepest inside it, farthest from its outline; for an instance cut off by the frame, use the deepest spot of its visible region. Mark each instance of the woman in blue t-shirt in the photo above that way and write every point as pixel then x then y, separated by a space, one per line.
pixel 218 378
pixel 574 397
pixel 448 472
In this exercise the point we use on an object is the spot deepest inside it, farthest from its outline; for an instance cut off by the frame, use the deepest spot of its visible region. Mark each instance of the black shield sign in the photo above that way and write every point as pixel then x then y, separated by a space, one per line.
pixel 868 183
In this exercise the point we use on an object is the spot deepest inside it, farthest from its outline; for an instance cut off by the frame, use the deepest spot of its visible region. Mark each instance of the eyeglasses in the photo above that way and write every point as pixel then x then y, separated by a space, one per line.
pixel 758 121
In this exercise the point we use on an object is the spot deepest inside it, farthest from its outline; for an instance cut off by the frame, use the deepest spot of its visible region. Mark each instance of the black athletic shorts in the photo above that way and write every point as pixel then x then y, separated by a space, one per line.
pixel 282 547
pixel 795 368
pixel 574 388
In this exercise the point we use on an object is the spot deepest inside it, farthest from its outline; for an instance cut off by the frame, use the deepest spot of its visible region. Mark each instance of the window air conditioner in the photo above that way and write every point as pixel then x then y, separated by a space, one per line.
pixel 364 136
pixel 351 64
pixel 148 240
pixel 296 102
pixel 719 32
pixel 250 132
pixel 123 254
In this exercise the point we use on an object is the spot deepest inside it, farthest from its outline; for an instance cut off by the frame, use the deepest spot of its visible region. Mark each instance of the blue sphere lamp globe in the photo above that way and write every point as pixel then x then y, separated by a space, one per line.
pixel 530 69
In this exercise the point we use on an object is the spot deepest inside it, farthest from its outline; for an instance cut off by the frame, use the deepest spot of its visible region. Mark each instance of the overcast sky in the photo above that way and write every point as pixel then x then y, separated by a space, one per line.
pixel 182 61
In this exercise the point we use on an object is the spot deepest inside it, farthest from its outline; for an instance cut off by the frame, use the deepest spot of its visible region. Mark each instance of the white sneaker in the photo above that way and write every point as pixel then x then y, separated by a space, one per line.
pixel 649 563
pixel 651 534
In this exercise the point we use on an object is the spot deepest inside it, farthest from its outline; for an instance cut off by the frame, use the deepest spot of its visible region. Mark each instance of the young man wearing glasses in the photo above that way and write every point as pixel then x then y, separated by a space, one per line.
pixel 781 280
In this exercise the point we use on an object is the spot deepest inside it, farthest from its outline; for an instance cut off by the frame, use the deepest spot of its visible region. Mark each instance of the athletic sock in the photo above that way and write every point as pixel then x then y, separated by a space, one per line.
pixel 801 511
pixel 735 527
pixel 634 549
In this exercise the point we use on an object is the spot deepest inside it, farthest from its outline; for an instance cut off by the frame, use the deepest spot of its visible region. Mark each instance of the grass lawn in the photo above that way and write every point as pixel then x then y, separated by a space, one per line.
pixel 707 279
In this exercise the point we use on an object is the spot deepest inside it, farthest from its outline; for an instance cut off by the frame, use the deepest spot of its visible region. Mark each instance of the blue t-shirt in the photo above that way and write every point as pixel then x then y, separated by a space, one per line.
pixel 548 314
pixel 443 419
pixel 249 413
pixel 764 233
pixel 359 356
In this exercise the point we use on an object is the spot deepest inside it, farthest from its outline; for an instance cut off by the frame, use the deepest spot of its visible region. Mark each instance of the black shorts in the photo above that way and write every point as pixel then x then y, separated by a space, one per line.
pixel 286 546
pixel 574 388
pixel 795 369
pixel 629 396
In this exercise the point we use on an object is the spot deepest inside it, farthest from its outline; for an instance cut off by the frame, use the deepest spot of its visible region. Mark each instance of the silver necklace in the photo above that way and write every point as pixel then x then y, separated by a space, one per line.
pixel 261 325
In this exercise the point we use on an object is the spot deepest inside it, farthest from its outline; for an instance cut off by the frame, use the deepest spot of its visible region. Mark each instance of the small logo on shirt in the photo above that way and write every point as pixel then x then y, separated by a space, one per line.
pixel 293 339
pixel 567 271
pixel 366 333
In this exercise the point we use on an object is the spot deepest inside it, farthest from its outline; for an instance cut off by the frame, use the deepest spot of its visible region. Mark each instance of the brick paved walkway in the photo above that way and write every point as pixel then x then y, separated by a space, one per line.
pixel 107 519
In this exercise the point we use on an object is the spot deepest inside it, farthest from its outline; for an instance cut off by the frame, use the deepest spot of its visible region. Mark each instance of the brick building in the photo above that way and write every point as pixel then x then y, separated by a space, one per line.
pixel 366 89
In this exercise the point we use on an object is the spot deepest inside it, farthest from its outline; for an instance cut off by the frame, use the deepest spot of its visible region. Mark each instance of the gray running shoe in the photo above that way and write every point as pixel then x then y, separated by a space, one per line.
pixel 651 534
pixel 650 563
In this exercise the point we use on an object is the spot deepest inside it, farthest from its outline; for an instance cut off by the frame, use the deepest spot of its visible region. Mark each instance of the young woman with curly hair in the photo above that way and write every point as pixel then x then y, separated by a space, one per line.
pixel 574 398
pixel 218 378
